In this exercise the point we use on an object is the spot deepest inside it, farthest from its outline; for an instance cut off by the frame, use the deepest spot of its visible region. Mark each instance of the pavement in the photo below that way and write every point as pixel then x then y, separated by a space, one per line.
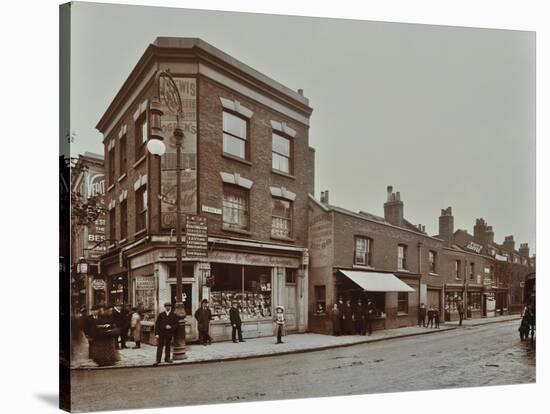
pixel 265 347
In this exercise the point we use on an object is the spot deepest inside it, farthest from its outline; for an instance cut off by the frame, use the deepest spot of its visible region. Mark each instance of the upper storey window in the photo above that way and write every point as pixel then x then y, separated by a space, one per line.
pixel 235 134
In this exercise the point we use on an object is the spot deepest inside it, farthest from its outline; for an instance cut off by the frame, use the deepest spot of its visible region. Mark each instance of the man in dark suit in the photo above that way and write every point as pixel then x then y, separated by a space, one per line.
pixel 235 318
pixel 165 328
pixel 120 317
pixel 370 313
pixel 460 308
pixel 422 315
pixel 203 316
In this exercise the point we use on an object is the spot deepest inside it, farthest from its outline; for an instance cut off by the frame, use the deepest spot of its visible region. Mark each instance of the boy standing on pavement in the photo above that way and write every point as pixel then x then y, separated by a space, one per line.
pixel 235 318
pixel 280 321
pixel 422 315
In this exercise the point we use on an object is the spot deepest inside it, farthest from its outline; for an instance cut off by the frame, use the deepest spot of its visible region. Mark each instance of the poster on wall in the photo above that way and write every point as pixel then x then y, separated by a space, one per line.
pixel 187 90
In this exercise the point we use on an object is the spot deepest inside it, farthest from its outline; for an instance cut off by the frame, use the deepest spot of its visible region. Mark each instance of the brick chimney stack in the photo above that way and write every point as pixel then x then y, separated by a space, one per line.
pixel 509 243
pixel 524 250
pixel 324 197
pixel 446 224
pixel 483 234
pixel 393 208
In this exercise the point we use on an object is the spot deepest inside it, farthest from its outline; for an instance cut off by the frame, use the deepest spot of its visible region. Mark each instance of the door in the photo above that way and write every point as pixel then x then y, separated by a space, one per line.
pixel 290 307
pixel 433 299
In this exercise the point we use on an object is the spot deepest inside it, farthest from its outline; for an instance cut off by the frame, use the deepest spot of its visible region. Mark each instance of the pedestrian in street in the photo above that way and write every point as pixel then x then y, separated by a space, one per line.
pixel 235 318
pixel 348 318
pixel 336 320
pixel 430 317
pixel 436 317
pixel 135 328
pixel 104 332
pixel 280 322
pixel 370 309
pixel 460 308
pixel 341 308
pixel 422 315
pixel 121 319
pixel 360 314
pixel 165 328
pixel 203 316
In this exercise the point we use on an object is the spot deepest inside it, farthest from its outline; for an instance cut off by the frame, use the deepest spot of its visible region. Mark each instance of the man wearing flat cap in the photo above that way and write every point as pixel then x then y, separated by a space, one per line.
pixel 165 328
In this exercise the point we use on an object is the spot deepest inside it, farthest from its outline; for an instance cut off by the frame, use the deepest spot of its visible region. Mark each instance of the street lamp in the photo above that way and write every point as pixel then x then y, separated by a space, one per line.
pixel 156 147
pixel 82 270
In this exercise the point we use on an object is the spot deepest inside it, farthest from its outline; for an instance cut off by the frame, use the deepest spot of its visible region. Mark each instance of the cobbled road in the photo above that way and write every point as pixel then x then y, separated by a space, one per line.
pixel 467 357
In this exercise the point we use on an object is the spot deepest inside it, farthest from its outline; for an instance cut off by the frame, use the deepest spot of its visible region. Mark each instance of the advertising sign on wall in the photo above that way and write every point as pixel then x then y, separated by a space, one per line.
pixel 188 92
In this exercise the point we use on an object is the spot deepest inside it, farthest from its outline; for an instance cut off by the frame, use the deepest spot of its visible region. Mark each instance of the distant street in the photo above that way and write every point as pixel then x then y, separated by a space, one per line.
pixel 474 356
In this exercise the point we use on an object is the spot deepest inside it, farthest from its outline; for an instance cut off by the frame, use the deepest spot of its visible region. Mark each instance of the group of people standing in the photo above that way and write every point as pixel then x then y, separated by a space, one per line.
pixel 432 315
pixel 348 319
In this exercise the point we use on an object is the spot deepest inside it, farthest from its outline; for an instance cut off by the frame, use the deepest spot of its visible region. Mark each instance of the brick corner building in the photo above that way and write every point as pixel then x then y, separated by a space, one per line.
pixel 248 173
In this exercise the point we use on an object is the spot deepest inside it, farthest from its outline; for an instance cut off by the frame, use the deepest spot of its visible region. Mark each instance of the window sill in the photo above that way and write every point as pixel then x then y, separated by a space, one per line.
pixel 284 174
pixel 139 233
pixel 139 160
pixel 434 274
pixel 282 238
pixel 124 240
pixel 403 270
pixel 110 187
pixel 235 158
pixel 122 177
pixel 402 314
pixel 239 231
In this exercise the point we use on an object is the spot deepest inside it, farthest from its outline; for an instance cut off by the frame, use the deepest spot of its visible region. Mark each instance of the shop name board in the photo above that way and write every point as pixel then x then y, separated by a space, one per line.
pixel 474 247
pixel 196 237
pixel 253 259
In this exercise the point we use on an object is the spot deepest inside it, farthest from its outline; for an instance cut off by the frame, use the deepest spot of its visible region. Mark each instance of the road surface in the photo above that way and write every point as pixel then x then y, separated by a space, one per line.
pixel 467 357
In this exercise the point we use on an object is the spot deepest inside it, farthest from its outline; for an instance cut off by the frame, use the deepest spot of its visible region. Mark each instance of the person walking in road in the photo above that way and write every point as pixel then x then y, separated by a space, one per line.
pixel 135 328
pixel 460 308
pixel 336 320
pixel 235 318
pixel 422 315
pixel 165 328
pixel 280 322
pixel 360 314
pixel 203 316
pixel 430 317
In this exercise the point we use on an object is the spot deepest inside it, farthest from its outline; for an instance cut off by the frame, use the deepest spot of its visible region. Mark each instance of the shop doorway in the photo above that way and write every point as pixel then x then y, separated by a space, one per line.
pixel 433 298
pixel 290 307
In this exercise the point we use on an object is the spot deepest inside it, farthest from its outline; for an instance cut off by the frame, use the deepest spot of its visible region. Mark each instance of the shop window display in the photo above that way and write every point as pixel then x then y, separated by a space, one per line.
pixel 249 286
pixel 474 301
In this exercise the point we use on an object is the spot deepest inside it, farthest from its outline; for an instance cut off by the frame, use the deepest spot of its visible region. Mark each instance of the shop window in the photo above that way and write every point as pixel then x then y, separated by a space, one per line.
pixel 235 135
pixel 235 208
pixel 432 260
pixel 187 296
pixel 458 267
pixel 123 162
pixel 363 251
pixel 290 276
pixel 118 290
pixel 472 270
pixel 402 302
pixel 474 301
pixel 145 296
pixel 141 133
pixel 402 257
pixel 112 224
pixel 281 218
pixel 123 219
pixel 141 208
pixel 379 303
pixel 281 154
pixel 320 299
pixel 451 301
pixel 248 286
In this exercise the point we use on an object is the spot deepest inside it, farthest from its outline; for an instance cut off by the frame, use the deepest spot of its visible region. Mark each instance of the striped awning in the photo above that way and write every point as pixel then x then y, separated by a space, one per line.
pixel 377 282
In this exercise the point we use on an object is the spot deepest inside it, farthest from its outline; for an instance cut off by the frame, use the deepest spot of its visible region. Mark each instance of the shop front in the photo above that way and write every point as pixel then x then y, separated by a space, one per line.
pixel 473 302
pixel 501 301
pixel 255 282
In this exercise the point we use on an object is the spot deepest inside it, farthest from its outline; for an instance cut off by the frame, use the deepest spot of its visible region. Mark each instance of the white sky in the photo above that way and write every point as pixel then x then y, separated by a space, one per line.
pixel 444 114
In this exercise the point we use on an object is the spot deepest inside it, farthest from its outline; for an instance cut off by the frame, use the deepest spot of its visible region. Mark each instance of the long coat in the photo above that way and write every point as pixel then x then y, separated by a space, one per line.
pixel 135 326
pixel 203 317
pixel 347 316
pixel 163 320
pixel 335 315
pixel 235 316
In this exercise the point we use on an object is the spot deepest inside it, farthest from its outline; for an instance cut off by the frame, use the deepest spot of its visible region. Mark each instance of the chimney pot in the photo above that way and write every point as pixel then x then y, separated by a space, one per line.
pixel 301 92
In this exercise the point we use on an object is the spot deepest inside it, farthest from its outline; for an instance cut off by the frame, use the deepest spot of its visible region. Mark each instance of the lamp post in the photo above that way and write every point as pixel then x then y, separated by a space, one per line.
pixel 82 270
pixel 156 146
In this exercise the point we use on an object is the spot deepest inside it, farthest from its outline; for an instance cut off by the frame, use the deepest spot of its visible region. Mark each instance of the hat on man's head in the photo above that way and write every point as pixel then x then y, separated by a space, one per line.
pixel 167 304
pixel 204 301
pixel 280 307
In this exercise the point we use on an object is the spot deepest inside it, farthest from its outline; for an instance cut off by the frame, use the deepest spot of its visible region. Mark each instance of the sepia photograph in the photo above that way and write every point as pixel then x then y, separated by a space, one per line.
pixel 232 207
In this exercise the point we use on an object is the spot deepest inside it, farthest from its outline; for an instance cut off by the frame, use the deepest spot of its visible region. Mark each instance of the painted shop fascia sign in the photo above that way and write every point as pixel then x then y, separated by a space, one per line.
pixel 145 283
pixel 253 259
pixel 196 237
